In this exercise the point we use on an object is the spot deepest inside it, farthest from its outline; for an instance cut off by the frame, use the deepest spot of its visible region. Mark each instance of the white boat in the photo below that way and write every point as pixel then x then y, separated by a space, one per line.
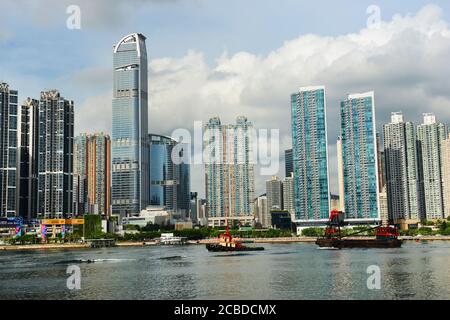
pixel 170 239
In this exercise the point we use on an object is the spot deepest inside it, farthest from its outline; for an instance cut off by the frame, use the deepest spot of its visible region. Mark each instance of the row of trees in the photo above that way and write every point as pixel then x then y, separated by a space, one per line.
pixel 152 231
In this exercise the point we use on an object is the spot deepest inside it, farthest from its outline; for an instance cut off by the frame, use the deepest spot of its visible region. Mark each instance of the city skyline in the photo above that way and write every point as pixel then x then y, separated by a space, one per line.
pixel 89 81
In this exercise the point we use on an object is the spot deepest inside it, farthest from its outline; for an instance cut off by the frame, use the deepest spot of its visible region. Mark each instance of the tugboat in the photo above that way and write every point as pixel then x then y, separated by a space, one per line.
pixel 385 237
pixel 228 244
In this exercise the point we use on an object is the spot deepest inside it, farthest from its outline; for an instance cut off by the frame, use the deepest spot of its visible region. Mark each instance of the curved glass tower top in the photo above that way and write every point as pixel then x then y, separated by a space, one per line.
pixel 130 126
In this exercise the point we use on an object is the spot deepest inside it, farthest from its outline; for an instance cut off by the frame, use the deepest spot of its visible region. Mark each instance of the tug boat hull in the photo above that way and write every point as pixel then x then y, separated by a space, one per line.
pixel 356 243
pixel 213 247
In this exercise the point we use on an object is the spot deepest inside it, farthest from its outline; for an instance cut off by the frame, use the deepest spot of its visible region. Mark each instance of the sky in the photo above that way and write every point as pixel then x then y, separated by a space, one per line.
pixel 229 58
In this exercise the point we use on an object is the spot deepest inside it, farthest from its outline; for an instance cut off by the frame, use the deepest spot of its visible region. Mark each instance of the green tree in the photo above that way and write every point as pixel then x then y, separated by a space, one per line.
pixel 92 226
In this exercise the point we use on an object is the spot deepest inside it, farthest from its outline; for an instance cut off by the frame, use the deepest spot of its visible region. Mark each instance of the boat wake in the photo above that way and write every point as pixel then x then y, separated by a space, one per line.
pixel 93 261
pixel 172 258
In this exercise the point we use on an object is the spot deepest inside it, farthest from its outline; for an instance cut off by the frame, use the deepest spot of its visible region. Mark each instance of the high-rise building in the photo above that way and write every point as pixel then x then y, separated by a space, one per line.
pixel 229 171
pixel 430 136
pixel 80 173
pixel 183 186
pixel 381 165
pixel 55 180
pixel 29 140
pixel 99 174
pixel 446 175
pixel 9 192
pixel 310 155
pixel 401 169
pixel 274 191
pixel 341 185
pixel 169 177
pixel 92 174
pixel 383 205
pixel 359 154
pixel 289 195
pixel 288 163
pixel 261 211
pixel 130 153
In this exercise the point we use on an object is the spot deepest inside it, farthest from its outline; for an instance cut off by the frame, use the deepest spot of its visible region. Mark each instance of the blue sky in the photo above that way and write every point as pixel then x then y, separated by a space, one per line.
pixel 233 57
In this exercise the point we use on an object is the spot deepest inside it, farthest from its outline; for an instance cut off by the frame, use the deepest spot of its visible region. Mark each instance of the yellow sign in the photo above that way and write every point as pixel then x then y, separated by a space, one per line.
pixel 74 221
pixel 50 222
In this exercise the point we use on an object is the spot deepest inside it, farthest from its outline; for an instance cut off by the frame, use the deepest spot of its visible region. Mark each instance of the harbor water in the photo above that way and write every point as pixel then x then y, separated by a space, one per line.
pixel 418 270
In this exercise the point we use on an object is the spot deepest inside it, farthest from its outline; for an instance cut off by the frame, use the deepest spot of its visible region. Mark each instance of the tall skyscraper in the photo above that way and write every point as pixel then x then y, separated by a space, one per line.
pixel 359 154
pixel 229 171
pixel 274 191
pixel 289 195
pixel 130 154
pixel 310 155
pixel 29 154
pixel 446 175
pixel 430 136
pixel 92 174
pixel 55 181
pixel 99 174
pixel 169 177
pixel 289 163
pixel 8 151
pixel 80 174
pixel 401 169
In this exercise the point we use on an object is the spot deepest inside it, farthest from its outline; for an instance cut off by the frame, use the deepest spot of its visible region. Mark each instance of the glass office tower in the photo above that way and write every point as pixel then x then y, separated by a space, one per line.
pixel 130 154
pixel 359 154
pixel 169 178
pixel 310 155
pixel 8 151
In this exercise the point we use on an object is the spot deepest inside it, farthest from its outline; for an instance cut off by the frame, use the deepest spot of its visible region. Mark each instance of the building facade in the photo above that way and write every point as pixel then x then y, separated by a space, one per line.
pixel 401 169
pixel 261 211
pixel 169 175
pixel 288 163
pixel 340 163
pixel 92 174
pixel 359 154
pixel 274 191
pixel 446 175
pixel 28 163
pixel 9 188
pixel 80 166
pixel 130 153
pixel 430 136
pixel 289 195
pixel 310 155
pixel 229 171
pixel 55 161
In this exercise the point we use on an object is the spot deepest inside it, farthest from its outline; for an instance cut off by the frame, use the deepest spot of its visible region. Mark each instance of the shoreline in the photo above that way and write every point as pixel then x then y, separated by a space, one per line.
pixel 74 246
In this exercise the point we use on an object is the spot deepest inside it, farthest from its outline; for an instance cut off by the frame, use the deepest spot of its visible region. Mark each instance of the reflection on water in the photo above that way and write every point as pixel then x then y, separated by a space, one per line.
pixel 282 271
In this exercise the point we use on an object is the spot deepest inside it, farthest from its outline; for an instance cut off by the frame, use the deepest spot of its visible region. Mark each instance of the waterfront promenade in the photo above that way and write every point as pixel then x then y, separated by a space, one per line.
pixel 286 240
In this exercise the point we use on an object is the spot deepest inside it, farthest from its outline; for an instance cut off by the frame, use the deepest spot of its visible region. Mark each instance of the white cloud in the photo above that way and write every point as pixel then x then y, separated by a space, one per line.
pixel 405 62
